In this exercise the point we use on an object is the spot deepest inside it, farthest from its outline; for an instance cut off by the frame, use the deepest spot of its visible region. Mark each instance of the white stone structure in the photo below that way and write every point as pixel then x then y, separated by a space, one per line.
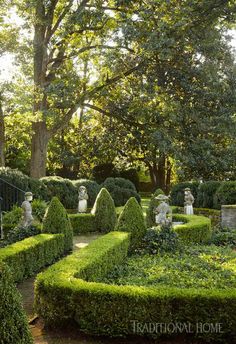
pixel 27 208
pixel 83 200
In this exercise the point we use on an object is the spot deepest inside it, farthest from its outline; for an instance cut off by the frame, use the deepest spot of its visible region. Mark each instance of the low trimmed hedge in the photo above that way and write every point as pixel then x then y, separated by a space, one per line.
pixel 28 256
pixel 213 214
pixel 103 309
pixel 82 223
pixel 196 229
pixel 58 288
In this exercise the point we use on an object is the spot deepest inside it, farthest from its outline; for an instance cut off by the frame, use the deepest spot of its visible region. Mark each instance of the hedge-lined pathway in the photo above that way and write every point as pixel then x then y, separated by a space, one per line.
pixel 26 288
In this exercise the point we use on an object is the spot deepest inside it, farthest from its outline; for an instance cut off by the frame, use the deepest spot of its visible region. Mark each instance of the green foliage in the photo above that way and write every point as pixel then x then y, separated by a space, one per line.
pixel 30 255
pixel 56 221
pixel 103 171
pixel 160 239
pixel 177 192
pixel 90 263
pixel 83 223
pixel 104 211
pixel 131 220
pixel 63 189
pixel 39 189
pixel 225 194
pixel 39 209
pixel 195 267
pixel 14 323
pixel 205 194
pixel 19 233
pixel 92 189
pixel 132 175
pixel 121 190
pixel 150 216
pixel 12 218
pixel 14 177
pixel 165 304
pixel 224 238
pixel 196 229
pixel 23 182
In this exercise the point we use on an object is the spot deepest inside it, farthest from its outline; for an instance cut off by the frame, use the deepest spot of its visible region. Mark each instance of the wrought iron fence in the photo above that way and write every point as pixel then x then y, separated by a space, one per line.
pixel 10 194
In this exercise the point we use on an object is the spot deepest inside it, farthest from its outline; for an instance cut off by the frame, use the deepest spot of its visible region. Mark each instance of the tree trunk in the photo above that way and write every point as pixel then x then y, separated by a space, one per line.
pixel 39 150
pixel 161 173
pixel 168 175
pixel 2 138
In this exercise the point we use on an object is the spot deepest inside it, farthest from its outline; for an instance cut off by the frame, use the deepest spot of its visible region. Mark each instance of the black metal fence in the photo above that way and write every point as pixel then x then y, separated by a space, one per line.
pixel 10 195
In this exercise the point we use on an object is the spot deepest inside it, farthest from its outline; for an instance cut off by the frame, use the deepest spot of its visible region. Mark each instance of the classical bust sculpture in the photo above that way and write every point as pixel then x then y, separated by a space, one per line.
pixel 188 202
pixel 83 198
pixel 162 210
pixel 27 208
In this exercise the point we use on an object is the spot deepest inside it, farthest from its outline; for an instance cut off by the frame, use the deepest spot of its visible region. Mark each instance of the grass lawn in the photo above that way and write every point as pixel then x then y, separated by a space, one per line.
pixel 195 267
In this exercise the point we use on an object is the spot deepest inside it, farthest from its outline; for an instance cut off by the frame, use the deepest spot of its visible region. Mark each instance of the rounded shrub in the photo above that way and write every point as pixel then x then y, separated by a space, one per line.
pixel 177 192
pixel 225 194
pixel 104 211
pixel 132 175
pixel 206 192
pixel 121 190
pixel 132 220
pixel 56 221
pixel 160 239
pixel 150 215
pixel 62 189
pixel 14 324
pixel 92 187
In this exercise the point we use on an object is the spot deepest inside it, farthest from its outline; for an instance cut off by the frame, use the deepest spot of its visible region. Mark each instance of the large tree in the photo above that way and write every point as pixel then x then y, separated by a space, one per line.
pixel 65 34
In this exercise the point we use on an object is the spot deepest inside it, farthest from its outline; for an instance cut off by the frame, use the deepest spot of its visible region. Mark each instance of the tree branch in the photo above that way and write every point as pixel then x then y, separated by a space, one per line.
pixel 88 95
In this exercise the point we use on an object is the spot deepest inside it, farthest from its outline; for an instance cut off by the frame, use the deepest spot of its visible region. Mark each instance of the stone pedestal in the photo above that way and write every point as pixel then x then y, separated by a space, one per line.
pixel 228 216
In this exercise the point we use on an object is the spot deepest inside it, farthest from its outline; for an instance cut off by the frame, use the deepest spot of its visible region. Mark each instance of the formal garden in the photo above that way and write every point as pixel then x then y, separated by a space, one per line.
pixel 117 172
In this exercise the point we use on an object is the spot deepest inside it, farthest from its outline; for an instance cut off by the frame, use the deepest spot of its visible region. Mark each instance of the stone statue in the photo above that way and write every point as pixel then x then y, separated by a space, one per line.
pixel 188 202
pixel 27 208
pixel 162 210
pixel 83 198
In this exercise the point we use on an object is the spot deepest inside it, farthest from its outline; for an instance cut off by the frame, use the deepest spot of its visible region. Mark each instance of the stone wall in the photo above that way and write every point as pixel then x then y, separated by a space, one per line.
pixel 228 216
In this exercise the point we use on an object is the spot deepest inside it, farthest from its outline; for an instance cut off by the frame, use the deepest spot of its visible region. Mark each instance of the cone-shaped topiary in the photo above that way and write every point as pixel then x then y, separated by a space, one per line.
pixel 14 324
pixel 56 221
pixel 132 220
pixel 150 216
pixel 104 211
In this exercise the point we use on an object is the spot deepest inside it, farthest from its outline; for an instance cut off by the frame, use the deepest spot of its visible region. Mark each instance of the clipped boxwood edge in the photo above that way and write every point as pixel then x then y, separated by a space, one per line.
pixel 196 229
pixel 82 223
pixel 65 293
pixel 28 256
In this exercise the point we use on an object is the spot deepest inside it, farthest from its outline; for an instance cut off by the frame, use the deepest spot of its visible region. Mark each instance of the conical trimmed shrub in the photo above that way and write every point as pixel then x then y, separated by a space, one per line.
pixel 104 211
pixel 132 220
pixel 150 215
pixel 56 220
pixel 14 324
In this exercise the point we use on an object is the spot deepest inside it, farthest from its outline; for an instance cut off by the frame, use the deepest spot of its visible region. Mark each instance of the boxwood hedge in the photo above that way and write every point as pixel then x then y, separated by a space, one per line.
pixel 196 229
pixel 82 223
pixel 32 254
pixel 66 292
pixel 14 325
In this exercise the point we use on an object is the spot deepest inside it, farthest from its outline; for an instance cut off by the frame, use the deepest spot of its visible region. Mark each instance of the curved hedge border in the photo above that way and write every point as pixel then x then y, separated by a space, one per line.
pixel 65 293
pixel 196 229
pixel 32 254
